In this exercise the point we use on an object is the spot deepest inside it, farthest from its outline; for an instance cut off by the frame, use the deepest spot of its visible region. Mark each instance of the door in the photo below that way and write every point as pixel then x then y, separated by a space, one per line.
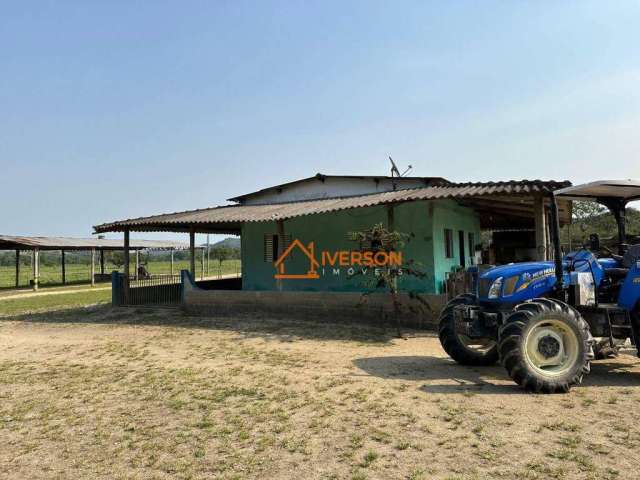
pixel 461 248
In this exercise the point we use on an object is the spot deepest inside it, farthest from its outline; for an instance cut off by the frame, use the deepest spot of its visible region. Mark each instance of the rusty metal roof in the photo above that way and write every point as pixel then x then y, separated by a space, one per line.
pixel 228 219
pixel 9 242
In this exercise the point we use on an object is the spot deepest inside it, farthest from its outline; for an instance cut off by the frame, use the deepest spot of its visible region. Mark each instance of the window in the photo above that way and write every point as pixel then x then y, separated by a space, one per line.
pixel 448 243
pixel 274 245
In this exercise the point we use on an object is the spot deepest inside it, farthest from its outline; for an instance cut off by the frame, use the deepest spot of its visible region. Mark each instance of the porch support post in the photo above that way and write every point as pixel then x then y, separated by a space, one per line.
pixel 172 261
pixel 137 263
pixel 36 268
pixel 17 268
pixel 125 277
pixel 64 267
pixel 102 261
pixel 540 227
pixel 281 247
pixel 93 267
pixel 192 252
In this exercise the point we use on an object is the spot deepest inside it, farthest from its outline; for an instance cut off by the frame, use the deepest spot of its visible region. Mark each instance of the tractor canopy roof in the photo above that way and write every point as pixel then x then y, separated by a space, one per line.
pixel 622 190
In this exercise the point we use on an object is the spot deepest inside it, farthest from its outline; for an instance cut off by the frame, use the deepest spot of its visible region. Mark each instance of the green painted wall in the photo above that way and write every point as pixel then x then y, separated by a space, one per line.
pixel 448 214
pixel 329 232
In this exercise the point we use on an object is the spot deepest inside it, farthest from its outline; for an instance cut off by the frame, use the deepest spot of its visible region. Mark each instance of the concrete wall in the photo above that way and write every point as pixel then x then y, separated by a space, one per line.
pixel 416 310
pixel 315 188
pixel 423 221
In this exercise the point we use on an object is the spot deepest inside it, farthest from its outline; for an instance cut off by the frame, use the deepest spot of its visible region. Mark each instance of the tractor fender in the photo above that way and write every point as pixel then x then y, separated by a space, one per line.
pixel 630 291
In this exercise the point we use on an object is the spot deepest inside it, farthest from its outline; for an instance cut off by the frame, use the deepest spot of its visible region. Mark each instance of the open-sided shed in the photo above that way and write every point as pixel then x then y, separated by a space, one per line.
pixel 63 244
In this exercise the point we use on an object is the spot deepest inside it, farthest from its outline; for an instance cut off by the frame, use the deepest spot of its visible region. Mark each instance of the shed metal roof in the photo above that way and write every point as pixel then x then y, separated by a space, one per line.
pixel 228 219
pixel 10 242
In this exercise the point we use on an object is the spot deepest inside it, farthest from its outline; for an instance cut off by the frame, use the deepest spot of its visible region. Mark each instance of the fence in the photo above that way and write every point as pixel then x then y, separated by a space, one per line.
pixel 78 267
pixel 151 290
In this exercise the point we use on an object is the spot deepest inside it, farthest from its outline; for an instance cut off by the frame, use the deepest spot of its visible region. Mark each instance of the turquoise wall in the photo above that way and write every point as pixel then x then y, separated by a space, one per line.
pixel 329 232
pixel 448 214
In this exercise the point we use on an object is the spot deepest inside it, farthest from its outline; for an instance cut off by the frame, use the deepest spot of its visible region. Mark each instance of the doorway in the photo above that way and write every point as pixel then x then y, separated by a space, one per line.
pixel 461 248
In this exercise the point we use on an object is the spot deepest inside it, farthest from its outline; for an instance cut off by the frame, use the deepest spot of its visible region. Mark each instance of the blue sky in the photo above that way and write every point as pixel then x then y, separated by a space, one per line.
pixel 111 110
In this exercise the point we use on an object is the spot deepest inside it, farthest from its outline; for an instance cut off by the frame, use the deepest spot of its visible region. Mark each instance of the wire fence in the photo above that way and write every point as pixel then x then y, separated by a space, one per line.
pixel 78 268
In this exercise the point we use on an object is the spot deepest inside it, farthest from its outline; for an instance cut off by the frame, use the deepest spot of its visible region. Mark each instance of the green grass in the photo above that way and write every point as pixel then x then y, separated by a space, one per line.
pixel 53 302
pixel 81 273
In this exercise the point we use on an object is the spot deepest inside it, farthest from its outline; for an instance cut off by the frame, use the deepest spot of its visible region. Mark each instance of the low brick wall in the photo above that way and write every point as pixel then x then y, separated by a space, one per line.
pixel 417 310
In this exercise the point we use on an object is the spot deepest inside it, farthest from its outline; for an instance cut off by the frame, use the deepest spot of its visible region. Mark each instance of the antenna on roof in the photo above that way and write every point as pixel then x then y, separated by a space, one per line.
pixel 394 169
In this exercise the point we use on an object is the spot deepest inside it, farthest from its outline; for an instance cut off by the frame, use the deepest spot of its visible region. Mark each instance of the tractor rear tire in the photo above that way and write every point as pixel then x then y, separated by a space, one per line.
pixel 546 346
pixel 456 345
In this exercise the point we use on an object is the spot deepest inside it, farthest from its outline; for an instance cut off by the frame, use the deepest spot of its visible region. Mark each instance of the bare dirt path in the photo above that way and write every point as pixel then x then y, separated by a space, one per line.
pixel 122 393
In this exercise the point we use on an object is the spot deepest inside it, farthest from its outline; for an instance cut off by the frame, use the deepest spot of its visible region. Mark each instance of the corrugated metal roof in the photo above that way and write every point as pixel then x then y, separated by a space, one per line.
pixel 232 216
pixel 10 242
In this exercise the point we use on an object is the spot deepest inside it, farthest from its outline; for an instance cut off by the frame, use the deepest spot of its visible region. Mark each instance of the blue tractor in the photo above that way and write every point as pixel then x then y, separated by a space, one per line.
pixel 546 321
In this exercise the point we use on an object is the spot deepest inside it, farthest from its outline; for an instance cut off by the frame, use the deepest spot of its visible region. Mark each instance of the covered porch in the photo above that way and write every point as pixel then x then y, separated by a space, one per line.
pixel 521 205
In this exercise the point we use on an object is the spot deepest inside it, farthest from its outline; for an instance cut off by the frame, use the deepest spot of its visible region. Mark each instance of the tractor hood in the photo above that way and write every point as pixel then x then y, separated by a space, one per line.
pixel 519 282
pixel 516 282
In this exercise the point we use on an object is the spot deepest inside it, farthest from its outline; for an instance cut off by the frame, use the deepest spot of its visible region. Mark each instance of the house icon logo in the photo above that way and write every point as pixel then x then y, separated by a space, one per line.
pixel 308 251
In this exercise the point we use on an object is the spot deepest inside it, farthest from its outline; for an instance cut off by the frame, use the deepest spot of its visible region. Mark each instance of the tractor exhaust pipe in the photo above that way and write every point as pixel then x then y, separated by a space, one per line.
pixel 555 238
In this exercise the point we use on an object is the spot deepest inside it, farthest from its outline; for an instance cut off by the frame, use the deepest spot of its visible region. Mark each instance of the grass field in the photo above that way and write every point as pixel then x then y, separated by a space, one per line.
pixel 78 273
pixel 99 392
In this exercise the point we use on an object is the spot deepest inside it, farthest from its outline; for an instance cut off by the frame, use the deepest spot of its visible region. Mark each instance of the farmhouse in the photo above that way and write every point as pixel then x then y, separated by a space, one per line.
pixel 295 237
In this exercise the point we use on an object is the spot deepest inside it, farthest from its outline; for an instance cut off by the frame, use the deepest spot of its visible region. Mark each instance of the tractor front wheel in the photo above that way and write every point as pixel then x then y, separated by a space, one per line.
pixel 546 346
pixel 464 350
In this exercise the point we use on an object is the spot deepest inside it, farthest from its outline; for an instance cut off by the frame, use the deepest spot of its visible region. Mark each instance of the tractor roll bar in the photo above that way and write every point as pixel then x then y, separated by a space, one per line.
pixel 555 238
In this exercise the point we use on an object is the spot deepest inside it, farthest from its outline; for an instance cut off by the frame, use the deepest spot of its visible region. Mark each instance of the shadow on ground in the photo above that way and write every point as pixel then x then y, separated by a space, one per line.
pixel 443 375
pixel 247 326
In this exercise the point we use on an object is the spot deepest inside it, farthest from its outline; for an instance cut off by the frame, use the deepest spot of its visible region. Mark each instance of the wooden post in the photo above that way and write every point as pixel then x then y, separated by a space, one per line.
pixel 17 268
pixel 137 263
pixel 281 247
pixel 64 272
pixel 93 267
pixel 36 268
pixel 540 227
pixel 202 273
pixel 172 261
pixel 102 261
pixel 192 251
pixel 125 277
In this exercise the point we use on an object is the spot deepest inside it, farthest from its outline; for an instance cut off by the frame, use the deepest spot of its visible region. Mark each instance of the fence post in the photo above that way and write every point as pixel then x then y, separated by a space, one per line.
pixel 17 268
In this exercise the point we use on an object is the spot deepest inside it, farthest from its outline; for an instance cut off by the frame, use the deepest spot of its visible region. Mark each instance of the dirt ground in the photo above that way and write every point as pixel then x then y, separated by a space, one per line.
pixel 122 393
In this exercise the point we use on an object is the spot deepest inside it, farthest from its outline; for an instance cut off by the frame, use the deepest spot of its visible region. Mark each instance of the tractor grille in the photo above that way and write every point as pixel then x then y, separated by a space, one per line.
pixel 483 287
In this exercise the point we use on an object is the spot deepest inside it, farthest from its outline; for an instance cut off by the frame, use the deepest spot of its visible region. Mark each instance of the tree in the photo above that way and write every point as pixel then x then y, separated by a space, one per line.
pixel 379 239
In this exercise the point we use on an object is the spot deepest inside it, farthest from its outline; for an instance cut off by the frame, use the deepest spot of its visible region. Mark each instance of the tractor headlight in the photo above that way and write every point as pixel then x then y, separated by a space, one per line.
pixel 496 287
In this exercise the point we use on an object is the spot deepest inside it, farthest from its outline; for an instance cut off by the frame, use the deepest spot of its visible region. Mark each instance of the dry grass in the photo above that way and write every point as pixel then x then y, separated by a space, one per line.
pixel 116 393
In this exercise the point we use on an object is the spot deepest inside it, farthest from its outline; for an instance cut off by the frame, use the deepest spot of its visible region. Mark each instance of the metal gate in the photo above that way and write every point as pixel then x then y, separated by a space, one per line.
pixel 151 290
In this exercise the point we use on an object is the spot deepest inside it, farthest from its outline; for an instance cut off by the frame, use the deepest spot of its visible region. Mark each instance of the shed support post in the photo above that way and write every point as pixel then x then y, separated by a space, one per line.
pixel 202 273
pixel 17 268
pixel 137 263
pixel 64 267
pixel 540 227
pixel 172 261
pixel 192 252
pixel 36 268
pixel 93 267
pixel 102 261
pixel 125 277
